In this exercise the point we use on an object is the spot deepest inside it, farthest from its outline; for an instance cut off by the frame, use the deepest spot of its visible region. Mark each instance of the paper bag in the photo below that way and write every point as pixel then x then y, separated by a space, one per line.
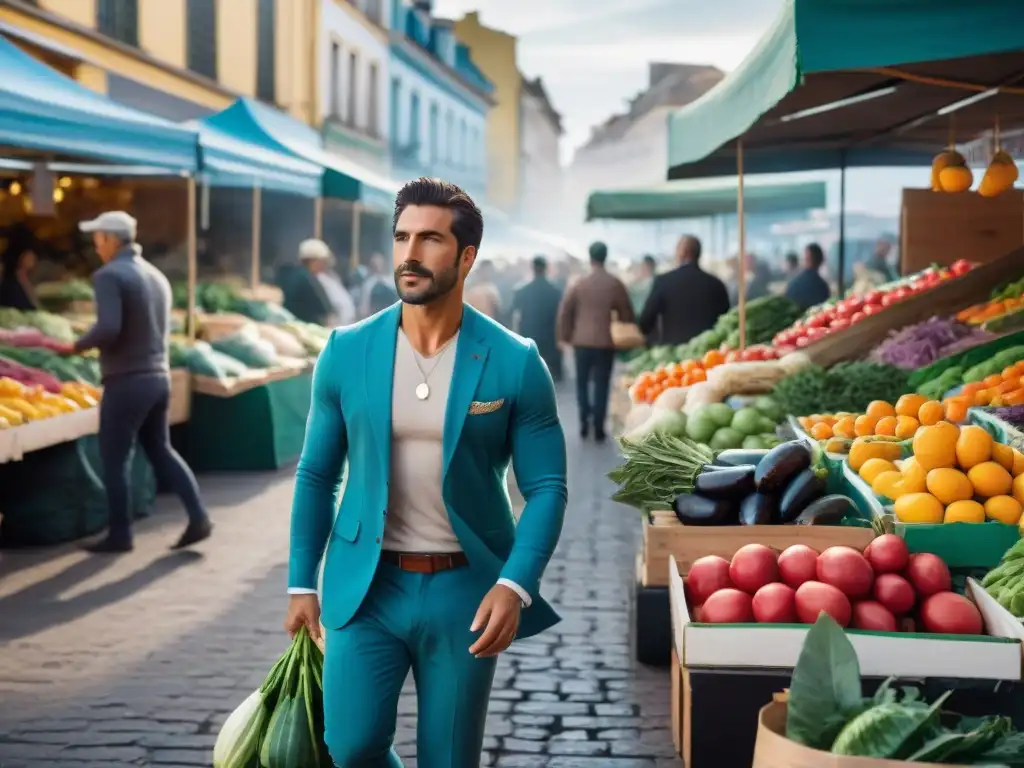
pixel 626 335
pixel 774 750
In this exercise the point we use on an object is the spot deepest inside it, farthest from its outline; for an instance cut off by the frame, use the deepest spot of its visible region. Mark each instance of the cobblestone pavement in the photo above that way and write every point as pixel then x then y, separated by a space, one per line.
pixel 137 660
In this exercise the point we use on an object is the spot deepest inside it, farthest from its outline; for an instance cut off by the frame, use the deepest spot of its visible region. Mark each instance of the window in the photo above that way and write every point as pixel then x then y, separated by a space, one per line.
pixel 372 101
pixel 449 137
pixel 335 79
pixel 414 120
pixel 433 134
pixel 201 32
pixel 119 19
pixel 265 52
pixel 396 105
pixel 351 109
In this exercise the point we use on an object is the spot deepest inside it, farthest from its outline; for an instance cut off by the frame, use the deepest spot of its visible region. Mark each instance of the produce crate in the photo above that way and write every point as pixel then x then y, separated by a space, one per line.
pixel 664 538
pixel 953 295
pixel 960 545
pixel 16 442
pixel 181 397
pixel 994 656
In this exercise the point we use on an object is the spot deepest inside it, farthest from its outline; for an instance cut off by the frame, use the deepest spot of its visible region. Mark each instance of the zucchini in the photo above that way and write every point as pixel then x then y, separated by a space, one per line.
pixel 692 509
pixel 780 465
pixel 726 483
pixel 828 510
pixel 758 509
pixel 801 491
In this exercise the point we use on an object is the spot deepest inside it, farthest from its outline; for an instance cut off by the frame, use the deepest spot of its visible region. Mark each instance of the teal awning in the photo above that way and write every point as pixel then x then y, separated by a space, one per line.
pixel 231 162
pixel 254 123
pixel 703 197
pixel 44 111
pixel 848 82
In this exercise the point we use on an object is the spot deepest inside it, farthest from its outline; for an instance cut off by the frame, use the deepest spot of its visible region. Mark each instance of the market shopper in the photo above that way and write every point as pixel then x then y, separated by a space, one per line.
pixel 427 402
pixel 685 301
pixel 535 314
pixel 809 288
pixel 304 294
pixel 133 309
pixel 584 323
pixel 17 262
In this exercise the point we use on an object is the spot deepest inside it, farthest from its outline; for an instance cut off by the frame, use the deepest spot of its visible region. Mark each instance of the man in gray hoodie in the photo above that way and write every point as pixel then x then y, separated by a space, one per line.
pixel 133 310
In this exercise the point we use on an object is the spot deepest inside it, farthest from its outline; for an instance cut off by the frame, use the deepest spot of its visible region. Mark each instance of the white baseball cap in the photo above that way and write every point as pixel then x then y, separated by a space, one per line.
pixel 114 222
pixel 314 249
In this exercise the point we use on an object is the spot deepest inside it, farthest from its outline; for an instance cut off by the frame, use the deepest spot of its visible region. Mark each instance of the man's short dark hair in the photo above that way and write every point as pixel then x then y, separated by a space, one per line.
pixel 540 265
pixel 815 255
pixel 598 252
pixel 792 259
pixel 692 247
pixel 467 221
pixel 650 262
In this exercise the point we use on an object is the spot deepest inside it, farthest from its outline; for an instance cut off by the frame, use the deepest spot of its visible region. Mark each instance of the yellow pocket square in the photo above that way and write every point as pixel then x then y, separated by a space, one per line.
pixel 477 408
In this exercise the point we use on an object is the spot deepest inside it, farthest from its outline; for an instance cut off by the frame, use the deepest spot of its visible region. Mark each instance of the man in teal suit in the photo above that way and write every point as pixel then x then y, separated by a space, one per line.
pixel 426 569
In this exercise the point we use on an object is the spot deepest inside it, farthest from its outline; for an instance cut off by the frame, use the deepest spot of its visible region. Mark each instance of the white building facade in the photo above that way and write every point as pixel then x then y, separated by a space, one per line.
pixel 541 192
pixel 354 77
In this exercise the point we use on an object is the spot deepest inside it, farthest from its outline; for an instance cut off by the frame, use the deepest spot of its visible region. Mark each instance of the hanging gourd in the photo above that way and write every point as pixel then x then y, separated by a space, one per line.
pixel 1001 172
pixel 949 169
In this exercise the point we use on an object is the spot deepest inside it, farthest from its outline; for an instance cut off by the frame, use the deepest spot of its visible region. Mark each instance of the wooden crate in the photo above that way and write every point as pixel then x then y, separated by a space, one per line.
pixel 946 299
pixel 664 536
pixel 938 227
pixel 181 397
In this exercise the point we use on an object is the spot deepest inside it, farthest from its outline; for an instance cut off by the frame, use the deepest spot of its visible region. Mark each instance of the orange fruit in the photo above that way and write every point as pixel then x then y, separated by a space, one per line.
pixel 910 404
pixel 971 389
pixel 844 427
pixel 886 426
pixel 698 375
pixel 865 425
pixel 1018 463
pixel 906 426
pixel 983 397
pixel 713 358
pixel 805 421
pixel 821 431
pixel 955 409
pixel 930 412
pixel 880 409
pixel 1002 455
pixel 992 381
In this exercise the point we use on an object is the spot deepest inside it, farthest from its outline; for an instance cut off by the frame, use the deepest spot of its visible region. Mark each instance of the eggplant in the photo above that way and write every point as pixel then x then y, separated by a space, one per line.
pixel 828 510
pixel 738 457
pixel 693 509
pixel 801 491
pixel 758 509
pixel 726 482
pixel 781 464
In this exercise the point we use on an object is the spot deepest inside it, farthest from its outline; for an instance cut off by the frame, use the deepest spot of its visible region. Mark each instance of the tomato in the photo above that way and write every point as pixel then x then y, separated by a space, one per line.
pixel 895 593
pixel 960 267
pixel 816 333
pixel 784 350
pixel 873 309
pixel 847 569
pixel 707 575
pixel 839 323
pixel 820 320
pixel 775 604
pixel 889 299
pixel 813 597
pixel 888 553
pixel 868 614
pixel 798 564
pixel 753 566
pixel 873 297
pixel 928 574
pixel 951 614
pixel 727 606
pixel 802 342
pixel 857 317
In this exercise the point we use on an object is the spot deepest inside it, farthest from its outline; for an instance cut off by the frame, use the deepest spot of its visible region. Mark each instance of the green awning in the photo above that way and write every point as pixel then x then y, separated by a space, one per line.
pixel 703 197
pixel 811 94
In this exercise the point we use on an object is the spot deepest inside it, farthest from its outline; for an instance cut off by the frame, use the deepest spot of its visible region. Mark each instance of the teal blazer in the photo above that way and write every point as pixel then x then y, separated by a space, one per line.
pixel 350 418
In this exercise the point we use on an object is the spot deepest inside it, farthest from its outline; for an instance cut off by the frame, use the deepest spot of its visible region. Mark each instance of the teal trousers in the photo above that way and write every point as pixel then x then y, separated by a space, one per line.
pixel 418 622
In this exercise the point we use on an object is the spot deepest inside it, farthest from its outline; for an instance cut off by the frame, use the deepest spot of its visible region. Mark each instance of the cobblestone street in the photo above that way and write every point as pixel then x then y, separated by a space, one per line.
pixel 137 660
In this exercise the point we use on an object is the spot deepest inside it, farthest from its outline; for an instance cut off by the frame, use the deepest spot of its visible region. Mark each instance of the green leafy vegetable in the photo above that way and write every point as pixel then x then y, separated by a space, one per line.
pixel 657 469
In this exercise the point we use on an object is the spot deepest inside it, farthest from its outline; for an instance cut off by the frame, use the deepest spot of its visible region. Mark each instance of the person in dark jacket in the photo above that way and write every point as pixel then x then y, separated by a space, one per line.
pixel 304 296
pixel 535 315
pixel 133 317
pixel 808 288
pixel 17 262
pixel 685 301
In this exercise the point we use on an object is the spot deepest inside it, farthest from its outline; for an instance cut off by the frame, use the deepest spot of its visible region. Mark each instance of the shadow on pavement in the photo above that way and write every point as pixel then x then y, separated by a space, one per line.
pixel 38 607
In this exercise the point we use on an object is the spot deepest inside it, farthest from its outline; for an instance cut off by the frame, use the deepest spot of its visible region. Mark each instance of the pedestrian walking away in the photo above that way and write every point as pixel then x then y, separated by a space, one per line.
pixel 808 288
pixel 585 323
pixel 425 567
pixel 535 315
pixel 133 312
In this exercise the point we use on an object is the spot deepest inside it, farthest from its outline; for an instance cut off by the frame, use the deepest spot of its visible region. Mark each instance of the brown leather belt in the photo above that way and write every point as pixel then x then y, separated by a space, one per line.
pixel 423 562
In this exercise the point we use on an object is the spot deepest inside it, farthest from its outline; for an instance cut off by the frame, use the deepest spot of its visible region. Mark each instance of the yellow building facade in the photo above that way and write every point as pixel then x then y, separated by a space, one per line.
pixel 494 53
pixel 203 53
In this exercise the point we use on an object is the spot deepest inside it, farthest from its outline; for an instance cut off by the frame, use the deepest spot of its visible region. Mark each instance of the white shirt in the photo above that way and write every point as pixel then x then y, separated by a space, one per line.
pixel 341 301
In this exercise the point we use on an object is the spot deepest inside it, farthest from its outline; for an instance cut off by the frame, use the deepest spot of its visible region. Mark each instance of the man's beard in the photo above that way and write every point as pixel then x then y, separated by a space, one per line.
pixel 440 285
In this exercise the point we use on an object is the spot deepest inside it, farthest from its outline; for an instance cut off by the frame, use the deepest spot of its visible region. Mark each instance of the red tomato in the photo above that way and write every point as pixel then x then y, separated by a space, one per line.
pixel 889 299
pixel 960 267
pixel 707 575
pixel 816 333
pixel 857 317
pixel 818 321
pixel 888 553
pixel 813 597
pixel 948 613
pixel 727 606
pixel 873 297
pixel 847 569
pixel 868 614
pixel 802 342
pixel 775 604
pixel 872 309
pixel 895 593
pixel 753 566
pixel 798 564
pixel 839 323
pixel 928 574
